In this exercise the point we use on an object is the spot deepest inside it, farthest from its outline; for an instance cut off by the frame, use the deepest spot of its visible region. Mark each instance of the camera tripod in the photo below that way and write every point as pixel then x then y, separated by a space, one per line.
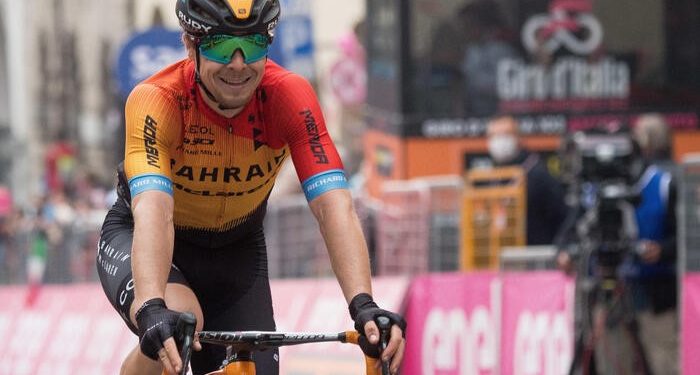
pixel 607 339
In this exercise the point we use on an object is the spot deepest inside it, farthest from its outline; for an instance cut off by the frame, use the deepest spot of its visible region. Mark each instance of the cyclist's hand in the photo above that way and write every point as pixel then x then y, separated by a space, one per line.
pixel 156 329
pixel 364 311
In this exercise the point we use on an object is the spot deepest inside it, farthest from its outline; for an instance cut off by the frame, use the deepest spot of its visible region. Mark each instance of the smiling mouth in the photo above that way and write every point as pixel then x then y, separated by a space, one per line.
pixel 235 82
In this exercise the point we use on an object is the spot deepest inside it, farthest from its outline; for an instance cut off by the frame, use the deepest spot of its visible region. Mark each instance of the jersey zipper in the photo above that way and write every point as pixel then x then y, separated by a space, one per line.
pixel 224 186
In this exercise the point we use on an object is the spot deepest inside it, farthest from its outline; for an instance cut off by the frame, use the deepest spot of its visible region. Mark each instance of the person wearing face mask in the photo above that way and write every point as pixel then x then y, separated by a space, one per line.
pixel 546 209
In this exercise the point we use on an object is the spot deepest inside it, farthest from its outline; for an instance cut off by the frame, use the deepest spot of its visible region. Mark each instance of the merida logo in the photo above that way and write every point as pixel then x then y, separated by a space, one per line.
pixel 314 138
pixel 149 141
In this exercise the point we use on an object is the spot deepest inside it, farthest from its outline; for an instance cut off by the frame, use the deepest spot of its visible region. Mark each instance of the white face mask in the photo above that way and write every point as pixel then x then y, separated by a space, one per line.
pixel 503 147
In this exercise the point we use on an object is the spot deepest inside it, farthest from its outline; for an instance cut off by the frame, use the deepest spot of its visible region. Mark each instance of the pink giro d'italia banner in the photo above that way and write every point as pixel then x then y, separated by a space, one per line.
pixel 452 324
pixel 73 330
pixel 690 324
pixel 537 323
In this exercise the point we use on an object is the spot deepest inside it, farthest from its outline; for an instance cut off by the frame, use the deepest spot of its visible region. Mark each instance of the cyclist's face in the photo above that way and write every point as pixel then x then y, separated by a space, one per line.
pixel 232 84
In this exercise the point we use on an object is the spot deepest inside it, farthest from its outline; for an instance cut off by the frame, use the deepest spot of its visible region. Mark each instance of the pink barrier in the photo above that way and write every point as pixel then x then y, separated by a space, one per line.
pixel 479 323
pixel 537 323
pixel 319 306
pixel 456 322
pixel 68 330
pixel 452 324
pixel 690 324
pixel 74 330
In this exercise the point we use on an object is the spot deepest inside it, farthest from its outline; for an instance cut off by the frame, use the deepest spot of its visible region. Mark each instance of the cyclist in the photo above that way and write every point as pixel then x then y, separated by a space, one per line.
pixel 205 138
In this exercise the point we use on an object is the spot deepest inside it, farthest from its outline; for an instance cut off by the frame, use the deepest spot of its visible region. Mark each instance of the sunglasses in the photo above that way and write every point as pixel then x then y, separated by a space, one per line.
pixel 220 48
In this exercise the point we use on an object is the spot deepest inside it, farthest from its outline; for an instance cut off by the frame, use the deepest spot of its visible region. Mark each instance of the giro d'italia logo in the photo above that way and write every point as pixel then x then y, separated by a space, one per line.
pixel 569 24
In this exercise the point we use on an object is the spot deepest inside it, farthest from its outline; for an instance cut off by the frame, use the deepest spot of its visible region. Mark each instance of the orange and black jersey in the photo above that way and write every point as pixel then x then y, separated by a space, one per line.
pixel 221 170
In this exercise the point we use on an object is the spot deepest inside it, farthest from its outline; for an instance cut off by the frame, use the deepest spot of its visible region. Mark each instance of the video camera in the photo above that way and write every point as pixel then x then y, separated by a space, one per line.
pixel 605 167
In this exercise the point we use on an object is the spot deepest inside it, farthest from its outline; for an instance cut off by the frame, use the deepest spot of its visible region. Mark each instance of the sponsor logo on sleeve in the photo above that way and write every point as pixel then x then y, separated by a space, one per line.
pixel 149 141
pixel 315 144
pixel 323 182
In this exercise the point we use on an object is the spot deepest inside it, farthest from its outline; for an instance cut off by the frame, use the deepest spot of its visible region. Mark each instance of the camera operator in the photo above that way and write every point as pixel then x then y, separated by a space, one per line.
pixel 655 267
pixel 649 268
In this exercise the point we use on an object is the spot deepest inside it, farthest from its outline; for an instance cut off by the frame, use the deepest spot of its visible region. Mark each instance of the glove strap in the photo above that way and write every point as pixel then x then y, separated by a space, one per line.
pixel 151 302
pixel 360 302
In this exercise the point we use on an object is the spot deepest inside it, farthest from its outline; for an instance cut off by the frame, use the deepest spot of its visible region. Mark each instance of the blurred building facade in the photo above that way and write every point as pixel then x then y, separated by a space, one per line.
pixel 57 83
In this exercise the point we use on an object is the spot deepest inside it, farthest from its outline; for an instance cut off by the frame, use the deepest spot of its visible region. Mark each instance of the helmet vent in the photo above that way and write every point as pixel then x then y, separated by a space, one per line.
pixel 203 14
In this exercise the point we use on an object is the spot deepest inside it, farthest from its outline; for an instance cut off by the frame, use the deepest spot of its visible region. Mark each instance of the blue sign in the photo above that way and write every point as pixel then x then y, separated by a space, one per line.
pixel 293 46
pixel 146 53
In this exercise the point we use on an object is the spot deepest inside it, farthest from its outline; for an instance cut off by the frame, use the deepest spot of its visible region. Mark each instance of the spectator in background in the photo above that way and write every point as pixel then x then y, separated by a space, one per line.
pixel 546 209
pixel 653 137
pixel 5 236
pixel 18 230
pixel 654 266
pixel 38 248
pixel 444 78
pixel 462 60
pixel 487 42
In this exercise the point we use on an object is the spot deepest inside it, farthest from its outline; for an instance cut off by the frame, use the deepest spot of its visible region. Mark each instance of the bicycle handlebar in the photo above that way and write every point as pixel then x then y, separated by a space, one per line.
pixel 184 330
pixel 384 325
pixel 251 341
pixel 263 340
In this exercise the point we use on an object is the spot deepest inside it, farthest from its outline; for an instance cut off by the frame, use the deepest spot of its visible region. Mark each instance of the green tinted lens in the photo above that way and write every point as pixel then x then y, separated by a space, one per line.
pixel 220 48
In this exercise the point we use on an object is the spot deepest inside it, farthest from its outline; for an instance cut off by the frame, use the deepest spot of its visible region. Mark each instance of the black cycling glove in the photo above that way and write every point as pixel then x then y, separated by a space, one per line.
pixel 362 310
pixel 156 324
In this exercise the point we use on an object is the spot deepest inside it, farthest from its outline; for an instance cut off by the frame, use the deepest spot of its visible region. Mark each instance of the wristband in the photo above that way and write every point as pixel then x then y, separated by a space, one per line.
pixel 360 302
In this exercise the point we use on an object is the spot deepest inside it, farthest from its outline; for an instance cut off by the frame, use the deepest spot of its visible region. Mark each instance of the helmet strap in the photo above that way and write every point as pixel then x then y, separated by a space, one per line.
pixel 197 78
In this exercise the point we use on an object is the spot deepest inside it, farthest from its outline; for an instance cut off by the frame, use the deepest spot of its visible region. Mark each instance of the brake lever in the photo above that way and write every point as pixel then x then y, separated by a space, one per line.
pixel 185 327
pixel 384 325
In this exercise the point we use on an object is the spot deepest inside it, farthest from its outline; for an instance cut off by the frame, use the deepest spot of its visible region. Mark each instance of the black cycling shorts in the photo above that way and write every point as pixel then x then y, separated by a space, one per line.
pixel 230 282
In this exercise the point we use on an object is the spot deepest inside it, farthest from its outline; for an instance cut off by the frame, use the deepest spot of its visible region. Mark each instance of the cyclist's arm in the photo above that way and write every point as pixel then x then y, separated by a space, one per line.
pixel 345 241
pixel 302 125
pixel 347 249
pixel 151 117
pixel 152 248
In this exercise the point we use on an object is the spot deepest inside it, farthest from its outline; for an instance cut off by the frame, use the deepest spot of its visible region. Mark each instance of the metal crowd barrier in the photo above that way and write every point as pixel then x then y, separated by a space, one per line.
pixel 295 247
pixel 417 226
pixel 294 244
pixel 527 258
pixel 688 213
